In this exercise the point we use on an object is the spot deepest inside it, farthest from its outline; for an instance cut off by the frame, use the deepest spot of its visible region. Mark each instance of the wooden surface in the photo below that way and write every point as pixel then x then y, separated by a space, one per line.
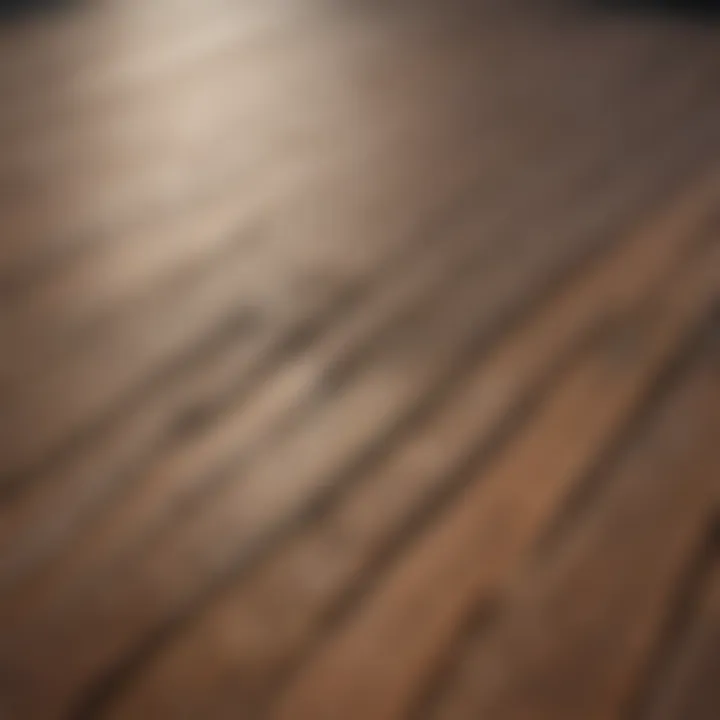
pixel 359 360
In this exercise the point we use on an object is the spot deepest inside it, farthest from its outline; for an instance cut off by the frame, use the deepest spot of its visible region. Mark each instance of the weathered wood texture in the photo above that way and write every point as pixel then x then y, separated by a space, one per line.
pixel 359 361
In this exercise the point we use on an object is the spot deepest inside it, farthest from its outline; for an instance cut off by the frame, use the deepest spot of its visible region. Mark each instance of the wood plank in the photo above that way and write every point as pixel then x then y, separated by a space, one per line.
pixel 315 317
pixel 167 561
pixel 577 632
pixel 36 427
pixel 689 689
pixel 245 356
pixel 389 292
pixel 206 299
pixel 477 545
pixel 212 293
pixel 136 129
pixel 250 635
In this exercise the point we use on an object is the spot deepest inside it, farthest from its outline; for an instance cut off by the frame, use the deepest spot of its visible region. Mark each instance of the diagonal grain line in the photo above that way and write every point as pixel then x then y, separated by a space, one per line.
pixel 646 87
pixel 576 632
pixel 553 315
pixel 698 574
pixel 319 323
pixel 346 334
pixel 438 581
pixel 142 392
pixel 580 500
pixel 569 516
pixel 101 694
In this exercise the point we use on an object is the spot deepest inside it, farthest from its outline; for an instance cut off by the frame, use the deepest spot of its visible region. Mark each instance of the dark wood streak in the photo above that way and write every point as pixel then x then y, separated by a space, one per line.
pixel 335 333
pixel 678 641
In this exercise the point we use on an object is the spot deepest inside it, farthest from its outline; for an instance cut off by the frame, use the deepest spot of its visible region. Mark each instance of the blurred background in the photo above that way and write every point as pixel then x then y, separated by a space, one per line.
pixel 359 360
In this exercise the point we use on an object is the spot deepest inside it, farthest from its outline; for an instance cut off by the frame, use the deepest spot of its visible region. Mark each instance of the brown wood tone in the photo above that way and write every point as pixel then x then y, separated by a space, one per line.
pixel 576 631
pixel 689 688
pixel 359 361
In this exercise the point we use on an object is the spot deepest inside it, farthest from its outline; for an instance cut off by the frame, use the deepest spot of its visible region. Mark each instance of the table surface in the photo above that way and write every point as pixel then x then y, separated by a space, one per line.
pixel 359 360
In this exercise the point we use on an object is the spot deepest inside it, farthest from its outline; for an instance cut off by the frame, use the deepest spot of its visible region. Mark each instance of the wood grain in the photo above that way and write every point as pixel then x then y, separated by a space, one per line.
pixel 325 561
pixel 576 634
pixel 689 688
pixel 332 331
